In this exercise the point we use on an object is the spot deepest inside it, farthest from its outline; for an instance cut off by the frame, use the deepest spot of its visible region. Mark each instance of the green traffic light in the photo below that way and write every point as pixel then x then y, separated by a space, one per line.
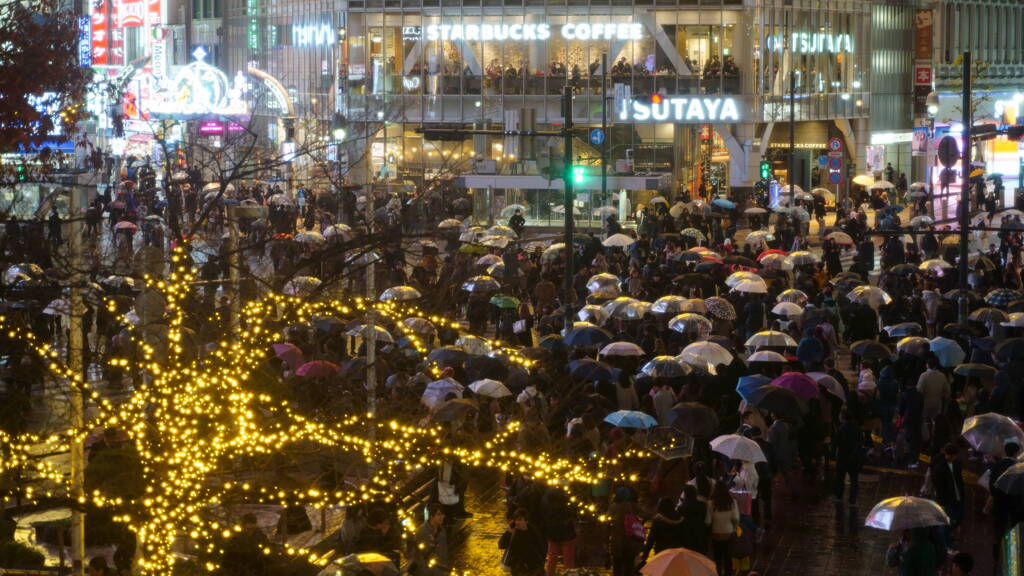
pixel 766 170
pixel 577 174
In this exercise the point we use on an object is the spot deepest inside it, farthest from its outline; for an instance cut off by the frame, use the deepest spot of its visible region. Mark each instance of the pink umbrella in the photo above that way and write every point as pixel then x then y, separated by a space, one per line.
pixel 290 354
pixel 318 369
pixel 126 226
pixel 801 384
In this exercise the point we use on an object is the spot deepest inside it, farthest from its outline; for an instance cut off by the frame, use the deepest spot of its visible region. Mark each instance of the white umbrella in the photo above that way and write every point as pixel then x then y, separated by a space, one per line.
pixel 922 220
pixel 830 384
pixel 755 210
pixel 751 286
pixel 871 295
pixel 437 390
pixel 363 331
pixel 690 323
pixel 882 185
pixel 905 512
pixel 449 224
pixel 677 210
pixel 758 237
pixel 787 309
pixel 788 190
pixel 593 313
pixel 737 447
pixel 495 241
pixel 770 338
pixel 58 307
pixel 805 196
pixel 400 294
pixel 767 356
pixel 737 277
pixel 694 305
pixel 490 388
pixel 671 304
pixel 777 262
pixel 987 433
pixel 621 349
pixel 473 345
pixel 473 234
pixel 509 210
pixel 499 230
pixel 617 241
pixel 310 237
pixel 342 231
pixel 604 282
pixel 936 266
pixel 792 295
pixel 708 352
pixel 803 258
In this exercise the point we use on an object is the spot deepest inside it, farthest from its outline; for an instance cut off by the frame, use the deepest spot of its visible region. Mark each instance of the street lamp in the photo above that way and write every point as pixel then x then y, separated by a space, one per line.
pixel 338 128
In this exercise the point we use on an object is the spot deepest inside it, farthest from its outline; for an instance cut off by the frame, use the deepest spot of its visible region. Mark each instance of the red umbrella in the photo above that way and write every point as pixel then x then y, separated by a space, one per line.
pixel 771 251
pixel 290 354
pixel 126 225
pixel 801 384
pixel 318 369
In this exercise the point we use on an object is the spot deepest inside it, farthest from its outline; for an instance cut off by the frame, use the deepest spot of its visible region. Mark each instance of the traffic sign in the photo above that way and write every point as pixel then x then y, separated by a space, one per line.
pixel 949 151
pixel 835 163
pixel 835 177
pixel 597 136
pixel 822 159
pixel 835 144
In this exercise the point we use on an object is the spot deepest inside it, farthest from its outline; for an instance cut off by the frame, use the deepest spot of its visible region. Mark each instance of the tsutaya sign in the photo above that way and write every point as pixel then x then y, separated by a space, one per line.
pixel 531 32
pixel 682 109
pixel 816 43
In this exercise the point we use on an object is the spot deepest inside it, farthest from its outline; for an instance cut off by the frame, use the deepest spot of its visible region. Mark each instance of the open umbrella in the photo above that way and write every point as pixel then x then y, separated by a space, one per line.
pixel 863 180
pixel 668 305
pixel 1012 480
pixel 870 350
pixel 664 367
pixel 770 338
pixel 720 308
pixel 593 313
pixel 987 433
pixel 904 329
pixel 420 326
pixel 481 284
pixel 840 238
pixel 787 309
pixel 976 371
pixel 631 419
pixel 454 409
pixel 1001 297
pixel 737 277
pixel 400 294
pixel 989 315
pixel 708 352
pixel 318 369
pixel 449 224
pixel 751 286
pixel 803 258
pixel 948 351
pixel 803 385
pixel 591 370
pixel 935 266
pixel 448 355
pixel 586 336
pixel 767 356
pixel 310 237
pixel 679 562
pixel 829 384
pixel 779 401
pixel 603 282
pixel 695 419
pixel 872 296
pixel 905 512
pixel 793 295
pixel 747 384
pixel 436 392
pixel 504 301
pixel 288 353
pixel 737 447
pixel 301 286
pixel 690 323
pixel 777 262
pixel 621 349
pixel 617 241
pixel 490 388
pixel 916 345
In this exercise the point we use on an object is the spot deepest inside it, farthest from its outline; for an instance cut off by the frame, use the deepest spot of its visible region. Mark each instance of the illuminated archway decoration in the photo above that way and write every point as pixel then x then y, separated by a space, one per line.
pixel 277 90
pixel 200 89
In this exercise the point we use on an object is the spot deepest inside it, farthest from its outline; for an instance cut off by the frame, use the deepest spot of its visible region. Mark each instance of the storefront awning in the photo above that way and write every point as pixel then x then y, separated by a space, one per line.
pixel 537 182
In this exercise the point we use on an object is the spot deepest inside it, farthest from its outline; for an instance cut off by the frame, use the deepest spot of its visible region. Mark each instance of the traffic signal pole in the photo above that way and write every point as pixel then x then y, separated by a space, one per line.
pixel 567 204
pixel 964 213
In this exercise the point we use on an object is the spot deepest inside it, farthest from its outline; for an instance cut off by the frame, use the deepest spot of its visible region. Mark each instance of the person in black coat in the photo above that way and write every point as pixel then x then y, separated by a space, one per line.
pixel 524 547
pixel 850 444
pixel 947 476
pixel 666 530
pixel 693 513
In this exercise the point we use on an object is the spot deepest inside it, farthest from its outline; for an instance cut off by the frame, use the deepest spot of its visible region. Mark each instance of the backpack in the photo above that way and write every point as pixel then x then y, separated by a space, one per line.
pixel 634 527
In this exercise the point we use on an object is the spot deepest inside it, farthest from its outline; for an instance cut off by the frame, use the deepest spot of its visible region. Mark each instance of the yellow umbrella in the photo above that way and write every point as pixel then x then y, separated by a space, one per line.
pixel 977 172
pixel 863 180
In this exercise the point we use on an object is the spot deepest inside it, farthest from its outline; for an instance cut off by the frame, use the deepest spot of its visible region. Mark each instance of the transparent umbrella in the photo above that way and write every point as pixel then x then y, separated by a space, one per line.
pixel 988 433
pixel 905 512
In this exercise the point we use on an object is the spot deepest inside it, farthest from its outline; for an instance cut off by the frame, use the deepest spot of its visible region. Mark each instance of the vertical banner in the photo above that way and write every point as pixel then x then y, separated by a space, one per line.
pixel 100 30
pixel 158 49
pixel 85 41
pixel 923 35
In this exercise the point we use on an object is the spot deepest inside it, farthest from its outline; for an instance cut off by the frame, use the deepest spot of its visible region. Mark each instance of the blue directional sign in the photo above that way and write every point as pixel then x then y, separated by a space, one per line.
pixel 597 136
pixel 822 159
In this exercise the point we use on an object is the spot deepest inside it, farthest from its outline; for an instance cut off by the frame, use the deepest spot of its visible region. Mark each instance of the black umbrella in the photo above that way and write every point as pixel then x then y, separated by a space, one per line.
pixel 453 410
pixel 587 336
pixel 781 402
pixel 975 370
pixel 587 369
pixel 738 260
pixel 1015 306
pixel 553 342
pixel 1010 349
pixel 480 367
pixel 905 269
pixel 954 330
pixel 870 350
pixel 329 324
pixel 695 419
pixel 692 278
pixel 447 355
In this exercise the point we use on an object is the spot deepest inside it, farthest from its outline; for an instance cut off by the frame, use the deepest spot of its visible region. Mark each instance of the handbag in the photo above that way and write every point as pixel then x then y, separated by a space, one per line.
pixel 519 326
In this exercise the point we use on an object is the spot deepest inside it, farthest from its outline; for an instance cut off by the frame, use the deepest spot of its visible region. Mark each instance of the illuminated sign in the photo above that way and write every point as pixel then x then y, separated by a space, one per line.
pixel 681 109
pixel 313 35
pixel 817 43
pixel 411 33
pixel 85 41
pixel 200 89
pixel 100 29
pixel 530 32
pixel 131 13
pixel 1007 111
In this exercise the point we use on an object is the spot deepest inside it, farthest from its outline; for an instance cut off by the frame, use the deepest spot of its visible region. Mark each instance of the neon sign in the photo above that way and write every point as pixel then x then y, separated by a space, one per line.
pixel 532 32
pixel 817 43
pixel 313 35
pixel 200 89
pixel 680 109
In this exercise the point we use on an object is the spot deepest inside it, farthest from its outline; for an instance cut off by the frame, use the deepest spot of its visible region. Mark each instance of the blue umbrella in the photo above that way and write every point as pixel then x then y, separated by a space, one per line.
pixel 747 384
pixel 1002 297
pixel 587 369
pixel 587 336
pixel 810 350
pixel 724 203
pixel 948 351
pixel 631 419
